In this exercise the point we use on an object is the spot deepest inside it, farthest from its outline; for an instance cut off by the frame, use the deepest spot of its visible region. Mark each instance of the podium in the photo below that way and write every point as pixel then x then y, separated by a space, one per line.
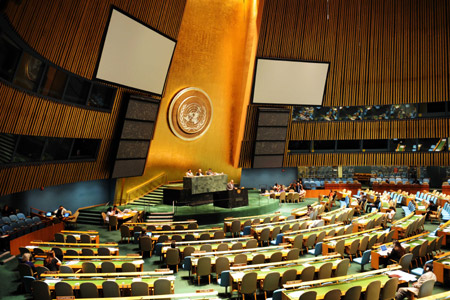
pixel 205 184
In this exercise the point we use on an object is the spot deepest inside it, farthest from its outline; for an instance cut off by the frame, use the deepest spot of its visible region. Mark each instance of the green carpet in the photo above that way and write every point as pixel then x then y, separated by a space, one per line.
pixel 11 284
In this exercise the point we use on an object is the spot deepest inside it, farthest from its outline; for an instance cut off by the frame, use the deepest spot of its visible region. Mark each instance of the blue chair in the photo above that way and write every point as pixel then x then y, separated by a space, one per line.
pixel 27 282
pixel 246 231
pixel 364 259
pixel 21 216
pixel 277 294
pixel 419 271
pixel 187 264
pixel 14 218
pixel 158 250
pixel 317 249
pixel 278 240
pixel 6 220
pixel 224 280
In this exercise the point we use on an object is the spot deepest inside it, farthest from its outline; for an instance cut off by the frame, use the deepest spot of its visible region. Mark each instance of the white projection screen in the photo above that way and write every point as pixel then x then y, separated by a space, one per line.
pixel 289 82
pixel 134 55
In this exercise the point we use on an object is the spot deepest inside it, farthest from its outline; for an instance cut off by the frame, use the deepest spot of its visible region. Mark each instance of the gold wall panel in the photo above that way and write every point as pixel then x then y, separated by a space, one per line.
pixel 214 43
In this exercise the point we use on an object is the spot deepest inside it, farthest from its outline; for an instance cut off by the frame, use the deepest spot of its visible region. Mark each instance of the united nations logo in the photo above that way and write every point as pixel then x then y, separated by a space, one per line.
pixel 190 113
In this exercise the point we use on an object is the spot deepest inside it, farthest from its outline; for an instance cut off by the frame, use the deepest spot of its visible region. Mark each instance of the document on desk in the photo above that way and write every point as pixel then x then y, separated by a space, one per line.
pixel 402 275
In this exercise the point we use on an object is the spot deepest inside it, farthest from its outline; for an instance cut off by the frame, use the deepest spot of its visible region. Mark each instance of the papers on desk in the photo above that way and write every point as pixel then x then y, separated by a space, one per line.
pixel 238 275
pixel 296 295
pixel 446 263
pixel 32 247
pixel 137 279
pixel 421 207
pixel 113 249
pixel 306 265
pixel 138 262
pixel 54 280
pixel 76 236
pixel 383 253
pixel 72 262
pixel 402 275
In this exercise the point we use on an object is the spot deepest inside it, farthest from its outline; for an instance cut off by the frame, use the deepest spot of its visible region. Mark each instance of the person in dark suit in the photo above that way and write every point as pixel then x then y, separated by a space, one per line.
pixel 199 173
pixel 209 172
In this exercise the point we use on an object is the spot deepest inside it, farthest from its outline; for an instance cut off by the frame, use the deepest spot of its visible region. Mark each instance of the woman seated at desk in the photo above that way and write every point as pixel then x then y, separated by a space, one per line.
pixel 397 252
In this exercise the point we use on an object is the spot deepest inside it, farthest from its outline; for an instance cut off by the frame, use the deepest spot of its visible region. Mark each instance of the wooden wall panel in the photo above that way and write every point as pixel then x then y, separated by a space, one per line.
pixel 402 129
pixel 381 52
pixel 368 159
pixel 69 34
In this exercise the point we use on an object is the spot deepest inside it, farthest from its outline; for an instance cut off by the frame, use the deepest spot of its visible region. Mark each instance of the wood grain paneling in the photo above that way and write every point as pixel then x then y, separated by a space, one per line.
pixel 381 52
pixel 351 130
pixel 368 159
pixel 69 33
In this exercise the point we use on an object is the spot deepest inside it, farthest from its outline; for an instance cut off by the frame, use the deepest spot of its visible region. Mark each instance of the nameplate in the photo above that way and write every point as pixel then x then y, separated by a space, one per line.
pixel 162 270
pixel 239 265
pixel 133 254
pixel 293 282
pixel 64 297
pixel 205 291
pixel 198 251
pixel 51 272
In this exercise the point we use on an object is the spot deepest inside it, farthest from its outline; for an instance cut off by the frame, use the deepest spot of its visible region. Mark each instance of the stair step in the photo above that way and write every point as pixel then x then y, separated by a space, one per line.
pixel 4 261
pixel 161 213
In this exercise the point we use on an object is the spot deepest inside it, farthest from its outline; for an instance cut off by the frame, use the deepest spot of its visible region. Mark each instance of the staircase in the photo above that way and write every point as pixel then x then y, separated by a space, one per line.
pixel 7 145
pixel 87 216
pixel 151 199
pixel 6 257
pixel 160 217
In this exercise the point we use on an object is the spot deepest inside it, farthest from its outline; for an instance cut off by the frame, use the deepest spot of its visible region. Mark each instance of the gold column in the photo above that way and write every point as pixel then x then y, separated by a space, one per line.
pixel 215 52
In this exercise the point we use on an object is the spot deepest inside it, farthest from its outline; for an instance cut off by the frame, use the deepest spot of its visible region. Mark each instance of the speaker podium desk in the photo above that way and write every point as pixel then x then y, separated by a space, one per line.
pixel 200 190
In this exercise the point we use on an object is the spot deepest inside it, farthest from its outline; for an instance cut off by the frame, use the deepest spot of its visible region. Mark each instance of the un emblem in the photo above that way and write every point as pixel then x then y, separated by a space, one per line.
pixel 190 113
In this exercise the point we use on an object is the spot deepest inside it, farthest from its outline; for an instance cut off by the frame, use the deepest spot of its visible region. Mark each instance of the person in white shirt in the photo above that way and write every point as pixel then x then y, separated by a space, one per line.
pixel 189 173
pixel 408 291
pixel 109 212
pixel 391 214
pixel 230 185
pixel 60 212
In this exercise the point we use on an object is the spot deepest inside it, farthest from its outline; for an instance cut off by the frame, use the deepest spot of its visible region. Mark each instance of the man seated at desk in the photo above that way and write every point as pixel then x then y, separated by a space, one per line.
pixel 209 172
pixel 59 213
pixel 199 173
pixel 407 291
pixel 189 173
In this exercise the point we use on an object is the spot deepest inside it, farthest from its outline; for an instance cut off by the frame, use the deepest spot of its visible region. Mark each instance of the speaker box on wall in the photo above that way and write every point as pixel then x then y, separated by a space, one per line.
pixel 138 125
pixel 271 132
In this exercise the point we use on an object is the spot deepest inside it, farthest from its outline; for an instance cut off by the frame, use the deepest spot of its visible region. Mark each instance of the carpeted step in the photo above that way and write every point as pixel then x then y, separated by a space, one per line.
pixel 151 199
pixel 90 217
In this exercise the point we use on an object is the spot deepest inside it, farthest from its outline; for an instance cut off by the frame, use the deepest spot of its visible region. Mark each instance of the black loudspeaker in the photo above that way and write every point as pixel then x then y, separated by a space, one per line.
pixel 271 132
pixel 138 125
